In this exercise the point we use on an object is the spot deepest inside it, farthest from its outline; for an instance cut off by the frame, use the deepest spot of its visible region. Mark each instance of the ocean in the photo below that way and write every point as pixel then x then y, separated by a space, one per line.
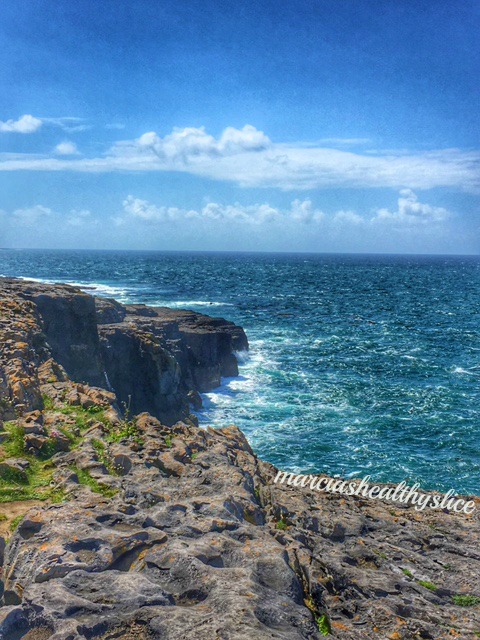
pixel 358 364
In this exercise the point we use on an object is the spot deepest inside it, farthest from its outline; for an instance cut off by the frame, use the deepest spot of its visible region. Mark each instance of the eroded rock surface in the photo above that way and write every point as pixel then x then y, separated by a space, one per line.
pixel 145 531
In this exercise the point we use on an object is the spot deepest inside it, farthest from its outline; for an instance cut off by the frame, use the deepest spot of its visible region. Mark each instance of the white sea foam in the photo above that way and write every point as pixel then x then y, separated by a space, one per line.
pixel 185 304
pixel 468 372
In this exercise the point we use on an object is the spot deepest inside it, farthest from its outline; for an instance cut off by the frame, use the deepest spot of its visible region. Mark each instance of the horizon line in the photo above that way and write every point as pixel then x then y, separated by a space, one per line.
pixel 241 251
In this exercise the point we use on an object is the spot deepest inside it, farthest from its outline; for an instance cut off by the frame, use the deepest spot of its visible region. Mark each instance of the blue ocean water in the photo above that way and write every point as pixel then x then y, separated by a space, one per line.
pixel 358 364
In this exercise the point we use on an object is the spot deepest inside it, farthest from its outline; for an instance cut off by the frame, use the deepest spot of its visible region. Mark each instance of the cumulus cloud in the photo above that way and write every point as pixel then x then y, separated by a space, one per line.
pixel 66 148
pixel 304 211
pixel 191 142
pixel 25 124
pixel 348 217
pixel 248 158
pixel 136 208
pixel 411 212
pixel 147 212
pixel 141 223
pixel 39 215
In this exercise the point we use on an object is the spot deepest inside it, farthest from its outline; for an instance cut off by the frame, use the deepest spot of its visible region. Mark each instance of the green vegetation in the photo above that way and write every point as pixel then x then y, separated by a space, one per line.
pixel 323 624
pixel 127 429
pixel 168 441
pixel 193 456
pixel 428 585
pixel 47 403
pixel 35 483
pixel 281 524
pixel 14 446
pixel 15 522
pixel 408 573
pixel 83 417
pixel 37 487
pixel 466 600
pixel 86 479
pixel 101 451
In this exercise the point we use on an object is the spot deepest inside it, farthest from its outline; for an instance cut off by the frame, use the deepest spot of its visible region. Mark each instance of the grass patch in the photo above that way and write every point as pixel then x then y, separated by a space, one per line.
pixel 408 573
pixel 281 524
pixel 14 446
pixel 102 455
pixel 86 479
pixel 428 585
pixel 16 521
pixel 466 600
pixel 83 417
pixel 124 430
pixel 323 624
pixel 47 403
pixel 37 487
pixel 169 441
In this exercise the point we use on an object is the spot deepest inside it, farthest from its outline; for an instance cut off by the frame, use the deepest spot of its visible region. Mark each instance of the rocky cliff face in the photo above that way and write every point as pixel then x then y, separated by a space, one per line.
pixel 155 360
pixel 126 528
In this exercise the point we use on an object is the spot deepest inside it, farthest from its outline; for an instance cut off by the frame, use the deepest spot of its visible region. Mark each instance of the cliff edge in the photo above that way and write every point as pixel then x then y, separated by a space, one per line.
pixel 124 520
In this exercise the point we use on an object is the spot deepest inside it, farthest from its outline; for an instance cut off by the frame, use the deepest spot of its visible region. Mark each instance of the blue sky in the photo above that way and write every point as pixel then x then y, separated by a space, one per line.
pixel 319 125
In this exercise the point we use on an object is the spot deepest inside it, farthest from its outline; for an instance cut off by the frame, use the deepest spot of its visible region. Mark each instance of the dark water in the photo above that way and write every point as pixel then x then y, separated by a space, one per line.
pixel 358 364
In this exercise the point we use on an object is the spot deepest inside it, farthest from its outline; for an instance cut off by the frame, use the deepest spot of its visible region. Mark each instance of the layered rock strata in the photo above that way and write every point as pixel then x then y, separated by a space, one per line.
pixel 155 360
pixel 139 530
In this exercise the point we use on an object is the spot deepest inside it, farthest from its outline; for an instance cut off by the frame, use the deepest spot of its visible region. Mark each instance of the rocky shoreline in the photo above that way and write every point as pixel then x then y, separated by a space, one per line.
pixel 124 520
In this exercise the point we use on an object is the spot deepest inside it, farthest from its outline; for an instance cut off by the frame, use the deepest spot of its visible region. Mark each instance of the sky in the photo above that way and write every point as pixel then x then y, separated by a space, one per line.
pixel 299 125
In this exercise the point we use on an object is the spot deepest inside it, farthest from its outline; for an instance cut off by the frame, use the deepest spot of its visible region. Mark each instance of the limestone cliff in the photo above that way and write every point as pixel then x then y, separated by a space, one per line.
pixel 123 527
pixel 154 360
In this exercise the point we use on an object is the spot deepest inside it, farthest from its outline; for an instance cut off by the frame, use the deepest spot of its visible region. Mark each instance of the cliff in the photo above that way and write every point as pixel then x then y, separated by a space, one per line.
pixel 154 360
pixel 141 526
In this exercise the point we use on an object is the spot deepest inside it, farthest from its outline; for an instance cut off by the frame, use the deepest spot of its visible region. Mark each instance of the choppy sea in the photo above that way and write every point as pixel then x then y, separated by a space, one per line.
pixel 358 364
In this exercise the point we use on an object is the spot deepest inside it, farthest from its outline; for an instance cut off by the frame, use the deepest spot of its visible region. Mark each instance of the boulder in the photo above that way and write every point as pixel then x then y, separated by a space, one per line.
pixel 15 469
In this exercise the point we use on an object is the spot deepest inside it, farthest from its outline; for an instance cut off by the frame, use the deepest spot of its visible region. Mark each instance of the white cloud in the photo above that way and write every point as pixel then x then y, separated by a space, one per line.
pixel 68 124
pixel 45 216
pixel 31 215
pixel 410 225
pixel 142 210
pixel 303 211
pixel 411 212
pixel 80 218
pixel 66 148
pixel 25 124
pixel 348 217
pixel 187 144
pixel 248 158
